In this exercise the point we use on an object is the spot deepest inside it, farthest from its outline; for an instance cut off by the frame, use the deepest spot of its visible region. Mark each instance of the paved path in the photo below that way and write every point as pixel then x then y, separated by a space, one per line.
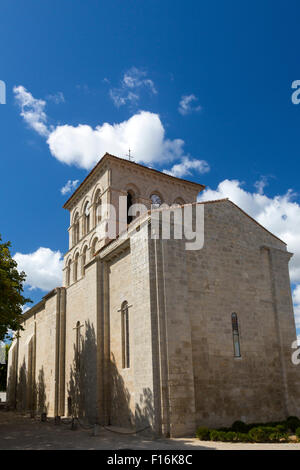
pixel 20 432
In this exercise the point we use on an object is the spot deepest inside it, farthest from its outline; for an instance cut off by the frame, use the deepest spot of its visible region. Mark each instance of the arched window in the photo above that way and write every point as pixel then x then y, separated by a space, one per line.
pixel 125 336
pixel 86 218
pixel 178 202
pixel 76 229
pixel 130 201
pixel 68 275
pixel 156 201
pixel 94 245
pixel 98 207
pixel 236 335
pixel 83 259
pixel 75 268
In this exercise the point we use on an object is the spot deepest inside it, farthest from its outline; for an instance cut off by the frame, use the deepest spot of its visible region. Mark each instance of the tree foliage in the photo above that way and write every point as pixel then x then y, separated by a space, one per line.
pixel 11 290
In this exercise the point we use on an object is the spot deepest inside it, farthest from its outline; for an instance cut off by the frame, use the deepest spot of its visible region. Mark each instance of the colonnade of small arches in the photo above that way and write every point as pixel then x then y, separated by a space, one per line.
pixel 75 265
pixel 87 217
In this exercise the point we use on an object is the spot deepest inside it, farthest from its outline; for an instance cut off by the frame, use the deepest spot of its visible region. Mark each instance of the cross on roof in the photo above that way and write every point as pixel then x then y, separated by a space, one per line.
pixel 130 158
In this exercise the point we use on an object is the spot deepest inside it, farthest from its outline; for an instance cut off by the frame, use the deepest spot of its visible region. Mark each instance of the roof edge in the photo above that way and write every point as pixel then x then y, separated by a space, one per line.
pixel 41 304
pixel 257 223
pixel 110 156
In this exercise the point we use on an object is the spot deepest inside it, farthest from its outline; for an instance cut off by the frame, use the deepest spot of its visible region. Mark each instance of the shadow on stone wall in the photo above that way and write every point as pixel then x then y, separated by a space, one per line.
pixel 128 410
pixel 82 389
pixel 144 413
pixel 82 385
pixel 120 412
pixel 22 391
pixel 23 395
pixel 123 411
pixel 39 394
pixel 123 408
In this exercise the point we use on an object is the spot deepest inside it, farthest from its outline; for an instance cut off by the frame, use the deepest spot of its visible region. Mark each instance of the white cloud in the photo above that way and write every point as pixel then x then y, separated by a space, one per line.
pixel 32 110
pixel 187 166
pixel 144 133
pixel 186 105
pixel 69 186
pixel 135 78
pixel 83 145
pixel 261 184
pixel 133 81
pixel 42 267
pixel 119 98
pixel 56 97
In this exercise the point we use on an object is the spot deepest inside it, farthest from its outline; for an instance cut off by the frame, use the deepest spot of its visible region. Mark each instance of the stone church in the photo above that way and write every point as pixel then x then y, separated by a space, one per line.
pixel 147 333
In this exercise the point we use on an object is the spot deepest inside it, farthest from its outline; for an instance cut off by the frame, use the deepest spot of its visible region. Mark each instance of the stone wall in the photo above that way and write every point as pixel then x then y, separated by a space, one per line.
pixel 183 372
pixel 32 362
pixel 122 411
pixel 131 390
pixel 242 268
pixel 81 395
pixel 115 177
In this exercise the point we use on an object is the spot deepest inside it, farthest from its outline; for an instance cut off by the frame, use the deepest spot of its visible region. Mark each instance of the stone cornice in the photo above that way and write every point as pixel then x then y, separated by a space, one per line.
pixel 90 181
pixel 156 174
pixel 101 166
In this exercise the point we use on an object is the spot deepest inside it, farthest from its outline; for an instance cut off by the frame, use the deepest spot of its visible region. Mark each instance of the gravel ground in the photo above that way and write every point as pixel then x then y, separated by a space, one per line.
pixel 21 432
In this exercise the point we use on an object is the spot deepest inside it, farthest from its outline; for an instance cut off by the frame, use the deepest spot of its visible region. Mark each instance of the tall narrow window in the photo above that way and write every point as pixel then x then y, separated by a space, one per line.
pixel 236 335
pixel 68 276
pixel 130 201
pixel 76 267
pixel 98 208
pixel 94 246
pixel 83 260
pixel 87 218
pixel 125 336
pixel 76 229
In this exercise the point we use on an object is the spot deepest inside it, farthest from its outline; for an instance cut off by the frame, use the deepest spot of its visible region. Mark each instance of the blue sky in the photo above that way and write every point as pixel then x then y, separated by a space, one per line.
pixel 85 63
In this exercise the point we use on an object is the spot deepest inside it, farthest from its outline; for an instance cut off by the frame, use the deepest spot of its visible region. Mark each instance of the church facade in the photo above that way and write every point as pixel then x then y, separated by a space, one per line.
pixel 146 333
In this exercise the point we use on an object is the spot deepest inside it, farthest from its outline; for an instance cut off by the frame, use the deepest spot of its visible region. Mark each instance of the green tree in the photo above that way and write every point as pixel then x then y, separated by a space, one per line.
pixel 3 370
pixel 11 289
